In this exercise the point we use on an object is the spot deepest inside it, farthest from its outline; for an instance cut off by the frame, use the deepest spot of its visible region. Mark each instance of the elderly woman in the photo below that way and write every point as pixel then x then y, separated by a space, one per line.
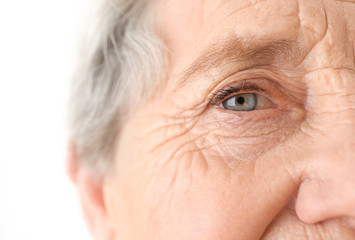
pixel 229 119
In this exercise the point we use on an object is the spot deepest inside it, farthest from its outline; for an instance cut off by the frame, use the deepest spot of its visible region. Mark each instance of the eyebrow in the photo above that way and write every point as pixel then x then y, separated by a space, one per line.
pixel 234 50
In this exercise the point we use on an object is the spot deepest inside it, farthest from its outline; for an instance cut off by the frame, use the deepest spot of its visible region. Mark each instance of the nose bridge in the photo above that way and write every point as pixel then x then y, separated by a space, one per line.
pixel 327 189
pixel 333 149
pixel 337 130
pixel 331 113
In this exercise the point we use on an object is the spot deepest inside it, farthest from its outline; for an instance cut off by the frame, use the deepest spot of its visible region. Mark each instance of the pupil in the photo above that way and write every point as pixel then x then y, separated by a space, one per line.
pixel 240 100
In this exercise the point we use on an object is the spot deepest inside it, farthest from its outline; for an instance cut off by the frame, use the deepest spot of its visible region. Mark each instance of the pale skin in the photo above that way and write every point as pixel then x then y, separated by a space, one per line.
pixel 188 168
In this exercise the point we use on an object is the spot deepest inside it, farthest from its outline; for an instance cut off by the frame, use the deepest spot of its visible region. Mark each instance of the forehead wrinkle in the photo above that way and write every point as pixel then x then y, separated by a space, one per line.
pixel 211 12
pixel 346 1
pixel 243 5
pixel 234 50
pixel 236 11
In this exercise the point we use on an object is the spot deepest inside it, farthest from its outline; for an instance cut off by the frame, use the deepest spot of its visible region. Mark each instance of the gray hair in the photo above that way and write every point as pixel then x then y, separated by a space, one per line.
pixel 120 61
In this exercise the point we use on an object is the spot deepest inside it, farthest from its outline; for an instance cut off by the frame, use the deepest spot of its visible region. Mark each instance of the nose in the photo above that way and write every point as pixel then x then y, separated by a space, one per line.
pixel 327 190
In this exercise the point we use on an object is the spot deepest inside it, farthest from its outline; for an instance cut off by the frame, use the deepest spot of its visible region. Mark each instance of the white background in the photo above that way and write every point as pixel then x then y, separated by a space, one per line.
pixel 37 42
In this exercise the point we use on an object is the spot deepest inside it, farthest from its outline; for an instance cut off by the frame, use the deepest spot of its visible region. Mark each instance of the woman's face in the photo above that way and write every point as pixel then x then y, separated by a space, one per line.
pixel 251 134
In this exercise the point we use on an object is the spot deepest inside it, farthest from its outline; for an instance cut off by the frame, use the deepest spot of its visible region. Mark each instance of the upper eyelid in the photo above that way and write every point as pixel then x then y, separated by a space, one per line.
pixel 229 90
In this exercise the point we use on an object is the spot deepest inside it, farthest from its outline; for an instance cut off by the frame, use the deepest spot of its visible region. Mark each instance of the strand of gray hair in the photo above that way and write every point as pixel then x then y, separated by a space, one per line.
pixel 120 60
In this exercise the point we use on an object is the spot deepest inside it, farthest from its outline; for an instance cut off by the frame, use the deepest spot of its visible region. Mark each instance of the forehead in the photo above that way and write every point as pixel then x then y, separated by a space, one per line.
pixel 188 27
pixel 192 16
pixel 322 31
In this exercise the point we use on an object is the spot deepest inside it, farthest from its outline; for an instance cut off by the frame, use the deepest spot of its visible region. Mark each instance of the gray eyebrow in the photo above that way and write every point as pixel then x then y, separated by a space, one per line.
pixel 233 50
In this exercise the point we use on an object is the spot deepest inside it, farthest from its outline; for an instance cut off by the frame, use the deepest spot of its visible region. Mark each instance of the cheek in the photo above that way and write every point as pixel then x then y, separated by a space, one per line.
pixel 192 199
pixel 211 180
pixel 197 194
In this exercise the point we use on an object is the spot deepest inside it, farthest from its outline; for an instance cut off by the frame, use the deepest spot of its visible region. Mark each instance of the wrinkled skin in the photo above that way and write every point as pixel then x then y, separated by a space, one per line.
pixel 189 169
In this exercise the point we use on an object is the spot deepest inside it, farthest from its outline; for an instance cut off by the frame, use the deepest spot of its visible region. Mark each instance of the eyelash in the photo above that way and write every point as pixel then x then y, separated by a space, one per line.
pixel 227 92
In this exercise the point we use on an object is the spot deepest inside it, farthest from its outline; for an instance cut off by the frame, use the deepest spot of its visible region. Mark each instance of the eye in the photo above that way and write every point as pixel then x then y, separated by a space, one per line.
pixel 246 102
